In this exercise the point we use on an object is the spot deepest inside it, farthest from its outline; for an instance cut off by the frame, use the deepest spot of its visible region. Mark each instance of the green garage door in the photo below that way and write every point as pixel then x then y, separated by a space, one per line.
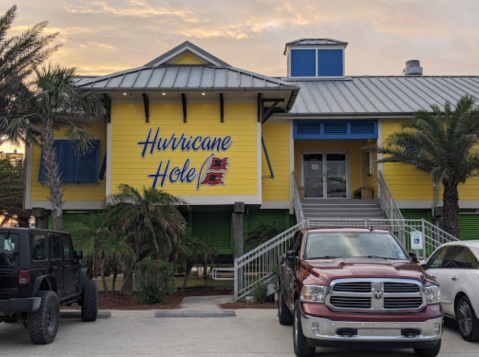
pixel 216 227
pixel 469 225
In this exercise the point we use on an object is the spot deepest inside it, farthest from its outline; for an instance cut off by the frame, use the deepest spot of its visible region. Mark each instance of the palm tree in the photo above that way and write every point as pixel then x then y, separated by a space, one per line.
pixel 442 144
pixel 19 56
pixel 150 221
pixel 54 103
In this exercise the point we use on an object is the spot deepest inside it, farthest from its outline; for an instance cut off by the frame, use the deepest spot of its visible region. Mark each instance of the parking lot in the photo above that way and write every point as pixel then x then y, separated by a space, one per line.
pixel 139 333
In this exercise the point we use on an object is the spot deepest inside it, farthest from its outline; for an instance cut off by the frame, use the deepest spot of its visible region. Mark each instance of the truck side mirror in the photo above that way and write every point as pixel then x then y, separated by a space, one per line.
pixel 78 254
pixel 413 257
pixel 290 255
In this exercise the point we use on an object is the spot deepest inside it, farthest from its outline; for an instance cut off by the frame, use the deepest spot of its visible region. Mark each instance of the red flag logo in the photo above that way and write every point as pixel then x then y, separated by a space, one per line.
pixel 218 164
pixel 214 178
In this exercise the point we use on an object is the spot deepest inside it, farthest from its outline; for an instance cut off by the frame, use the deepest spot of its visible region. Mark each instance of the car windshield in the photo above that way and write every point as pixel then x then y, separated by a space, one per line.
pixel 353 245
pixel 8 249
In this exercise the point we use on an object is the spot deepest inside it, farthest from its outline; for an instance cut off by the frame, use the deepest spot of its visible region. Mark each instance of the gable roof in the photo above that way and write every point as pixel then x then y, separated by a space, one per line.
pixel 380 95
pixel 186 47
pixel 314 42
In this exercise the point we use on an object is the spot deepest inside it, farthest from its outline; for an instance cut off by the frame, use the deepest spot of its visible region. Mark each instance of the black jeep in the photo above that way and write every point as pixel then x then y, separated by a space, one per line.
pixel 39 272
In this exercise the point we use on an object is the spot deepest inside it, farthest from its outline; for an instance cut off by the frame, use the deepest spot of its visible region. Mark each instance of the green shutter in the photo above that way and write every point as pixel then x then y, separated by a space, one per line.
pixel 417 214
pixel 257 218
pixel 216 227
pixel 71 224
pixel 469 225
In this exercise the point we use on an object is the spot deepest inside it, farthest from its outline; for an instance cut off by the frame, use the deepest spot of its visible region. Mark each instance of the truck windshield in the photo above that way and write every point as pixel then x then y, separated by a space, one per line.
pixel 8 249
pixel 353 245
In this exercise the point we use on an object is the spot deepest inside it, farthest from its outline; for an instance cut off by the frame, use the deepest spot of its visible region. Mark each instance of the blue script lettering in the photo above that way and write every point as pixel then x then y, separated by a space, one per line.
pixel 185 174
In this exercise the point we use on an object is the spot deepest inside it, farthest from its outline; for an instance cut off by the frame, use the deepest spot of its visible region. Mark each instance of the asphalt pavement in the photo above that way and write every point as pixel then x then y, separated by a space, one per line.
pixel 252 333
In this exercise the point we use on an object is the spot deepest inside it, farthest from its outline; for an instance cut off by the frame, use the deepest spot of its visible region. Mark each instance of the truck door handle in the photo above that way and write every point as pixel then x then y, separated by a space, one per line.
pixel 454 278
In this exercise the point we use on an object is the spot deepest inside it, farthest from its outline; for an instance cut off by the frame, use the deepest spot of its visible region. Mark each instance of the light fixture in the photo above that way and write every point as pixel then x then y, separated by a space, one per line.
pixel 163 93
pixel 125 93
pixel 203 93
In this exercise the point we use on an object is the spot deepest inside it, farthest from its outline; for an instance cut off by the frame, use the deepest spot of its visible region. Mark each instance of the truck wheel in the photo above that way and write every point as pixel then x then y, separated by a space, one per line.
pixel 43 323
pixel 285 316
pixel 428 352
pixel 467 320
pixel 89 308
pixel 301 346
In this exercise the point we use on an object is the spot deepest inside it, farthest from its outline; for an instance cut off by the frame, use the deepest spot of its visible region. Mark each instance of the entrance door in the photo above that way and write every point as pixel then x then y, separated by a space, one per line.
pixel 325 175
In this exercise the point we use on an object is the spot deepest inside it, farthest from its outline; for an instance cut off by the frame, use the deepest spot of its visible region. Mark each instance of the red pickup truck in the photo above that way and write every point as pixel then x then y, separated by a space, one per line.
pixel 349 287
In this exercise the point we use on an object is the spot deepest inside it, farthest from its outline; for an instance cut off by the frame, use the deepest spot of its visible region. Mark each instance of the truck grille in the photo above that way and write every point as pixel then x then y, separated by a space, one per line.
pixel 379 295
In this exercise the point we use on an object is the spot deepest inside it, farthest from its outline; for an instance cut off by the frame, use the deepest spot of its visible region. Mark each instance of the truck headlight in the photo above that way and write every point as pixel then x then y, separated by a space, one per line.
pixel 433 294
pixel 313 293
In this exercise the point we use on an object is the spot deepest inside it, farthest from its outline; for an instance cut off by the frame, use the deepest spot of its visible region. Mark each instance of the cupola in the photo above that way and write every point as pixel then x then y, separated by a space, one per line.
pixel 315 58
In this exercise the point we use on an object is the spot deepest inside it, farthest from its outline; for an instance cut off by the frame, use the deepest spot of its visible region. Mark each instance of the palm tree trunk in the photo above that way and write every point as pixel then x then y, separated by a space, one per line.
pixel 52 174
pixel 127 288
pixel 450 209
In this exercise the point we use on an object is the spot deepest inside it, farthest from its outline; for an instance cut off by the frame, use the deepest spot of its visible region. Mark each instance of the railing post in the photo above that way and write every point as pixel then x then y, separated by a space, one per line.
pixel 423 226
pixel 236 273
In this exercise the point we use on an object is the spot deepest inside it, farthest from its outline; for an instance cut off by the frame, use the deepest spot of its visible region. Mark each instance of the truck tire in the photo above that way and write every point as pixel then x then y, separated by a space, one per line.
pixel 43 323
pixel 301 345
pixel 467 320
pixel 429 351
pixel 89 308
pixel 285 316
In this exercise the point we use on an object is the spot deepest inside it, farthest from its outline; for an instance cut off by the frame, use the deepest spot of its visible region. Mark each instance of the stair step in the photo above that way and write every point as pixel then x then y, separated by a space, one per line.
pixel 342 215
pixel 338 201
pixel 343 206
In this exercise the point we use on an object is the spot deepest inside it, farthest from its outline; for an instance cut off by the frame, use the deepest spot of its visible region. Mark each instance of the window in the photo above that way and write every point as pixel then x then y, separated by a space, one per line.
pixel 39 247
pixel 335 129
pixel 8 249
pixel 471 260
pixel 67 247
pixel 303 63
pixel 55 247
pixel 330 63
pixel 435 262
pixel 455 258
pixel 74 167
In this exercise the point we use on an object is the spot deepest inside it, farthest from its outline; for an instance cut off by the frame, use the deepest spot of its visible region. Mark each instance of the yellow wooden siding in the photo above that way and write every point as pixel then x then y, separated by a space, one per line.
pixel 188 59
pixel 407 183
pixel 354 156
pixel 72 192
pixel 129 128
pixel 276 137
pixel 370 180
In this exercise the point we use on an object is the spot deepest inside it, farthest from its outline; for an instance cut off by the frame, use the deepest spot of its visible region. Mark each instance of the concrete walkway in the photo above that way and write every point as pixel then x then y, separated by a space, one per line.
pixel 205 303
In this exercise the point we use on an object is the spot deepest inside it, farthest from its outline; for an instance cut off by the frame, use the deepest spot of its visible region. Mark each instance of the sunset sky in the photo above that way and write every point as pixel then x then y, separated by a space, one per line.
pixel 105 36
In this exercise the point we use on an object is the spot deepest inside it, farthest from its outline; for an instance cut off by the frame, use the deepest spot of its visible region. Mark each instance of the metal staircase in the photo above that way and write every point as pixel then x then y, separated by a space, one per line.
pixel 341 208
pixel 260 265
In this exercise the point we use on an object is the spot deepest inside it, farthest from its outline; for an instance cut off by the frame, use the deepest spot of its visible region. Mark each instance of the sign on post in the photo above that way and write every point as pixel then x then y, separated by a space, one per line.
pixel 416 240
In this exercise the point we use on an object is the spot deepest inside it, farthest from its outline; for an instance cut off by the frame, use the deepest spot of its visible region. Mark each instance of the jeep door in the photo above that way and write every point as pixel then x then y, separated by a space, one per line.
pixel 39 255
pixel 70 265
pixel 56 262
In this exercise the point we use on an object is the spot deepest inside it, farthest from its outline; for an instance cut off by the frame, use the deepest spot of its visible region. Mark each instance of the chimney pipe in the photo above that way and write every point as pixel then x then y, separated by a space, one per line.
pixel 413 68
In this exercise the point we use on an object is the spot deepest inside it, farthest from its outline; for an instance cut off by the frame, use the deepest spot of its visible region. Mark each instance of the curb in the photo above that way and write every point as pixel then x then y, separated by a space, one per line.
pixel 77 314
pixel 219 313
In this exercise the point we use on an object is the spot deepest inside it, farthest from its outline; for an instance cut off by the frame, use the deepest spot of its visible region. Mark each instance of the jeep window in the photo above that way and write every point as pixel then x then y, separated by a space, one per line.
pixel 435 262
pixel 67 247
pixel 8 249
pixel 353 245
pixel 39 246
pixel 55 247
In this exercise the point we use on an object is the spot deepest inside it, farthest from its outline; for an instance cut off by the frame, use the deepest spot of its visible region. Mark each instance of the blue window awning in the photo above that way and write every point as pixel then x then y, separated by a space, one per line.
pixel 335 129
pixel 74 168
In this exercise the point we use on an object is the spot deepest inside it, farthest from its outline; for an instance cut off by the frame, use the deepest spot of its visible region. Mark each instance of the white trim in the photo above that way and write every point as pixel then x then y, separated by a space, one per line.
pixel 182 50
pixel 275 205
pixel 70 205
pixel 27 204
pixel 427 204
pixel 361 165
pixel 259 165
pixel 221 200
pixel 108 159
pixel 291 168
pixel 379 142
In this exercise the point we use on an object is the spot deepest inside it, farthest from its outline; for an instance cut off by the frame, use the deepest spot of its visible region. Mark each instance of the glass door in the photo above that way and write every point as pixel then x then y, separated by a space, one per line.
pixel 325 175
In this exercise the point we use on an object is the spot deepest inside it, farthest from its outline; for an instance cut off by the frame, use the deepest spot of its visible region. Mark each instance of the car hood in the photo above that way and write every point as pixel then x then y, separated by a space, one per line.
pixel 326 271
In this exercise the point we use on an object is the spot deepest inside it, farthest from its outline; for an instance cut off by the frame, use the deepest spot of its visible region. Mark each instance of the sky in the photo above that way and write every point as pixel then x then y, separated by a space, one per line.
pixel 105 36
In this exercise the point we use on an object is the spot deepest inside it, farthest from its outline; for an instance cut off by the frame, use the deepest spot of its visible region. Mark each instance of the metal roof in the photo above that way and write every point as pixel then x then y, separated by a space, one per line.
pixel 187 45
pixel 314 42
pixel 379 95
pixel 184 78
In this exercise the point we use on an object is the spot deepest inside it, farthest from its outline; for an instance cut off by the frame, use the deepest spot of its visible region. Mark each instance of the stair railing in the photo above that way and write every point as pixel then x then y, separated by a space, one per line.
pixel 298 207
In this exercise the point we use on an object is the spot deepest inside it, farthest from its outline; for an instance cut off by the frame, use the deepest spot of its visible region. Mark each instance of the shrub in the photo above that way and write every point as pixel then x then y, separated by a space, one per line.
pixel 155 280
pixel 260 293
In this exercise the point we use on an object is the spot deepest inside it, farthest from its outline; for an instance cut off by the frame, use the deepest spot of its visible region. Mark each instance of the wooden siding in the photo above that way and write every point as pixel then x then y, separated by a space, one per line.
pixel 276 137
pixel 72 192
pixel 187 59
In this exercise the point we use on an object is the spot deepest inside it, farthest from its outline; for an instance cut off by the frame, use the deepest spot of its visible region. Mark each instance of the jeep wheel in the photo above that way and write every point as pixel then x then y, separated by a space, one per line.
pixel 429 351
pixel 301 345
pixel 43 323
pixel 285 316
pixel 89 308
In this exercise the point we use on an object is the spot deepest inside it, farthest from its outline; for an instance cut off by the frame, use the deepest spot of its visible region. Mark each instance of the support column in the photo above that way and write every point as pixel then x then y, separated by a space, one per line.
pixel 238 229
pixel 41 218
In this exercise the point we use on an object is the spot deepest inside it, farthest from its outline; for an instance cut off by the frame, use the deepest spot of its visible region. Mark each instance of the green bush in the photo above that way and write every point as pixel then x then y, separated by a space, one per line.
pixel 260 293
pixel 154 281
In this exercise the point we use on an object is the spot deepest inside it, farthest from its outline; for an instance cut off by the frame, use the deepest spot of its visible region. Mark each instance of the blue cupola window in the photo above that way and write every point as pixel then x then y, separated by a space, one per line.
pixel 330 63
pixel 303 63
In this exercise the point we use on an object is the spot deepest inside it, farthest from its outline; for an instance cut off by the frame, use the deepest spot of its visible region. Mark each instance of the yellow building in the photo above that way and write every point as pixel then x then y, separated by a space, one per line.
pixel 234 143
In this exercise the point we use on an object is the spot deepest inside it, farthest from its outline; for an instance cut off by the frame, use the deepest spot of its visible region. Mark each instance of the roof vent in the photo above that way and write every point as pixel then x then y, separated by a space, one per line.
pixel 413 68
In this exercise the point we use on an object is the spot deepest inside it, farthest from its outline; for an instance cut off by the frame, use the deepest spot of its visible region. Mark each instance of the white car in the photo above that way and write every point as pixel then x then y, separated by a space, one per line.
pixel 455 266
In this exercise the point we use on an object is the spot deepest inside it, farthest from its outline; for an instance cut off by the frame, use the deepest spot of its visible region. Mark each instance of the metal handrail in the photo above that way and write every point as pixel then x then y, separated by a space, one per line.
pixel 386 199
pixel 298 207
